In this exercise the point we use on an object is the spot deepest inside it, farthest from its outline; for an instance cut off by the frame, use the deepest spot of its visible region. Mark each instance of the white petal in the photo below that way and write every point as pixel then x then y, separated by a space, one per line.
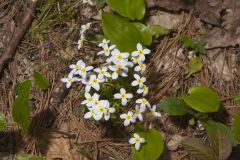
pixel 139 101
pixel 117 96
pixel 126 123
pixel 123 116
pixel 135 53
pixel 142 108
pixel 139 91
pixel 132 141
pixel 142 140
pixel 134 83
pixel 157 114
pixel 146 51
pixel 124 101
pixel 129 95
pixel 64 80
pixel 137 68
pixel 87 88
pixel 114 75
pixel 136 76
pixel 88 115
pixel 140 117
pixel 139 46
pixel 88 68
pixel 96 86
pixel 135 135
pixel 122 90
pixel 68 85
pixel 137 146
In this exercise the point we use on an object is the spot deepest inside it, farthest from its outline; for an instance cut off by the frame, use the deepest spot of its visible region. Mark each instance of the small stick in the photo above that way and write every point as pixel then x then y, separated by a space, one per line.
pixel 11 48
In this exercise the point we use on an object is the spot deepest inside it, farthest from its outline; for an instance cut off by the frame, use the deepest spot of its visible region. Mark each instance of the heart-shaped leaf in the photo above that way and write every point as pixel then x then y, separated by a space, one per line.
pixel 174 106
pixel 121 32
pixel 196 148
pixel 195 65
pixel 20 106
pixel 212 126
pixel 3 121
pixel 145 33
pixel 153 146
pixel 221 144
pixel 202 99
pixel 236 126
pixel 40 80
pixel 133 9
pixel 157 31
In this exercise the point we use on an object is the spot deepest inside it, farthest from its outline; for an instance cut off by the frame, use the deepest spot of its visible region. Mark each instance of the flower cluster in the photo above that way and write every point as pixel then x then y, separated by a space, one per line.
pixel 118 64
pixel 83 30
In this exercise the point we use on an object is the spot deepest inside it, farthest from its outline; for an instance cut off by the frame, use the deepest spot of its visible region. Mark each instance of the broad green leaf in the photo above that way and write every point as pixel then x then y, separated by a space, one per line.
pixel 237 99
pixel 195 65
pixel 41 81
pixel 29 158
pixel 200 47
pixel 202 99
pixel 197 149
pixel 145 33
pixel 20 106
pixel 101 3
pixel 236 126
pixel 3 122
pixel 152 148
pixel 133 9
pixel 157 31
pixel 211 126
pixel 188 42
pixel 174 106
pixel 221 144
pixel 121 32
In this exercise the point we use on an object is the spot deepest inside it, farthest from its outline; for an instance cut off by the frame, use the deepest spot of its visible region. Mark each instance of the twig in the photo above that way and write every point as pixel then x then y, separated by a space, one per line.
pixel 11 48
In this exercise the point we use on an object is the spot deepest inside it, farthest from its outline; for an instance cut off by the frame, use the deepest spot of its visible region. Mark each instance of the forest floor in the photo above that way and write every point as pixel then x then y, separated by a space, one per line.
pixel 58 130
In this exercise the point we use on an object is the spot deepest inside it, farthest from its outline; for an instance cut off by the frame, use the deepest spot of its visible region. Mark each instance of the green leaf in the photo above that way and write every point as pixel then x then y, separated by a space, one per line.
pixel 200 47
pixel 20 106
pixel 211 126
pixel 133 9
pixel 121 32
pixel 236 126
pixel 41 81
pixel 101 3
pixel 29 158
pixel 152 148
pixel 157 31
pixel 195 65
pixel 202 99
pixel 174 106
pixel 145 33
pixel 237 99
pixel 188 42
pixel 221 144
pixel 3 122
pixel 196 148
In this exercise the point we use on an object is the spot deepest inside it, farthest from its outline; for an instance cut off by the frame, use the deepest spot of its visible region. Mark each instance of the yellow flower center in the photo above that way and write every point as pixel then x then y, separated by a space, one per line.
pixel 140 52
pixel 138 140
pixel 139 81
pixel 101 109
pixel 129 117
pixel 90 99
pixel 123 96
pixel 83 69
pixel 107 50
pixel 95 81
pixel 70 80
pixel 120 57
pixel 144 101
pixel 101 72
pixel 76 67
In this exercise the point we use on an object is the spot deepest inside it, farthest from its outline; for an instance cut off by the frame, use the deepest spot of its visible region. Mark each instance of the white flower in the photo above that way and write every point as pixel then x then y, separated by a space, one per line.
pixel 85 27
pixel 140 52
pixel 109 110
pixel 88 2
pixel 138 112
pixel 89 100
pixel 123 96
pixel 93 83
pixel 118 56
pixel 102 72
pixel 135 60
pixel 82 71
pixel 106 50
pixel 101 109
pixel 104 43
pixel 137 140
pixel 120 68
pixel 143 103
pixel 80 42
pixel 129 118
pixel 139 81
pixel 153 111
pixel 141 67
pixel 95 99
pixel 76 67
pixel 70 79
pixel 143 90
pixel 91 113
